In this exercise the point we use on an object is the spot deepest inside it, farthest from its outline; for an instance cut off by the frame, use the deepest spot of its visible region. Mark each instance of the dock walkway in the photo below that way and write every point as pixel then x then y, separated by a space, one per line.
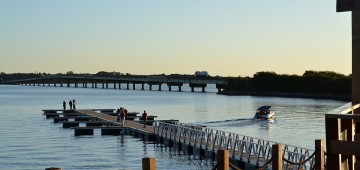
pixel 112 119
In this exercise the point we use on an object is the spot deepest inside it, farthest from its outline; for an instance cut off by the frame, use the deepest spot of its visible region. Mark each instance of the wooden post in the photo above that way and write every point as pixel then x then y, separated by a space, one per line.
pixel 148 164
pixel 277 155
pixel 319 154
pixel 355 56
pixel 223 159
pixel 332 131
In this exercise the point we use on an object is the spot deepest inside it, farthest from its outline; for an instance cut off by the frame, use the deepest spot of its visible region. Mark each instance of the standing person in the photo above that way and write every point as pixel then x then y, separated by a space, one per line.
pixel 144 116
pixel 64 105
pixel 70 104
pixel 126 112
pixel 74 104
pixel 117 114
pixel 122 117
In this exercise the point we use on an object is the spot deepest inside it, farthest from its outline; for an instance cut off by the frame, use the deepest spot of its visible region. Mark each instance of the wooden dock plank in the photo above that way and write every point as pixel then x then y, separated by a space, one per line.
pixel 106 117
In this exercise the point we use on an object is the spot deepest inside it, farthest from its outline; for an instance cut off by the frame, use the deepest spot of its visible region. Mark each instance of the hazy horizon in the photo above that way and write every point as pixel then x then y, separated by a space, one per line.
pixel 227 38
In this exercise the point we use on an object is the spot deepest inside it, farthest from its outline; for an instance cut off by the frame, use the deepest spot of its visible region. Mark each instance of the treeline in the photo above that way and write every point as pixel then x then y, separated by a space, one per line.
pixel 17 76
pixel 311 83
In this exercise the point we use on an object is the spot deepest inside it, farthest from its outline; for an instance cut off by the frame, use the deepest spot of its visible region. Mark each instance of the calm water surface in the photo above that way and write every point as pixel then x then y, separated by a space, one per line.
pixel 29 141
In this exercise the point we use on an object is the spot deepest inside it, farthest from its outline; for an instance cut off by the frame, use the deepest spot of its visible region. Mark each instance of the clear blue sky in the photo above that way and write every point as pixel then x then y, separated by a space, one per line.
pixel 228 38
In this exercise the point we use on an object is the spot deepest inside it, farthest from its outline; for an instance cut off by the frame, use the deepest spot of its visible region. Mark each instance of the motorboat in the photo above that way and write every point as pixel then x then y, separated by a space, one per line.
pixel 264 112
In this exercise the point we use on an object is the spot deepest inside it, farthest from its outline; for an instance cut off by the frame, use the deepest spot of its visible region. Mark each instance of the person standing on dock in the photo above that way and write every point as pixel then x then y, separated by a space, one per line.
pixel 144 116
pixel 122 117
pixel 126 112
pixel 74 104
pixel 70 104
pixel 117 114
pixel 64 105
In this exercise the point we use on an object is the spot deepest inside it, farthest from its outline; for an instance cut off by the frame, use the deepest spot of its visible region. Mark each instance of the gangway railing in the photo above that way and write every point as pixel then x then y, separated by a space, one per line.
pixel 243 148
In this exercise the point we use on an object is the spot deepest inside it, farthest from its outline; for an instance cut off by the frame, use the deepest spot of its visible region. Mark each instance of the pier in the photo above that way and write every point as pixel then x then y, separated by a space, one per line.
pixel 244 152
pixel 116 82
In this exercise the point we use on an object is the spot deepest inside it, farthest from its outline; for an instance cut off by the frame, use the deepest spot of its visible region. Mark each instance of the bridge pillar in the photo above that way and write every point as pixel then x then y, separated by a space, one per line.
pixel 107 85
pixel 175 84
pixel 68 83
pixel 142 86
pixel 134 86
pixel 96 84
pixel 159 87
pixel 193 85
pixel 114 84
pixel 49 84
pixel 61 84
pixel 150 87
pixel 54 84
pixel 103 84
pixel 127 86
pixel 119 85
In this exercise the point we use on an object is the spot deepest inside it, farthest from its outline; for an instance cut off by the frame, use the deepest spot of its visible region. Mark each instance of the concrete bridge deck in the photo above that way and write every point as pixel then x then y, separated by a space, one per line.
pixel 170 81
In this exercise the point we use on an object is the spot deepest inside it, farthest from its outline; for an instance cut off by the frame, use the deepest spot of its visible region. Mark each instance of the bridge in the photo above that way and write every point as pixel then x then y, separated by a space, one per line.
pixel 87 80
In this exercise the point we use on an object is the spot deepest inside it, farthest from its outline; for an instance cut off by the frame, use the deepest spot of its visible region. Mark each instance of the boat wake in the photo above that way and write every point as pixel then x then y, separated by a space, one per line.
pixel 237 122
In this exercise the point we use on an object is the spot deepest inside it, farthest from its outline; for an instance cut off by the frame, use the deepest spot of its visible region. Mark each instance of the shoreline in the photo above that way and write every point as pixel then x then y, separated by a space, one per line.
pixel 290 95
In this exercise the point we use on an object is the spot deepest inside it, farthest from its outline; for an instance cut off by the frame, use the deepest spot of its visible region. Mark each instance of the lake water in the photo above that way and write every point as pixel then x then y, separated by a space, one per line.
pixel 30 141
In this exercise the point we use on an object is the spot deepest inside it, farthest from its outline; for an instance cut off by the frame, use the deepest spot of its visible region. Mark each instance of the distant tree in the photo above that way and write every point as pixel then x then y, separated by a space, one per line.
pixel 69 73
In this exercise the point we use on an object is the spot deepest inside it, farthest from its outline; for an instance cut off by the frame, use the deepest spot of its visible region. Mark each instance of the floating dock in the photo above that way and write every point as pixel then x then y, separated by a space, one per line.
pixel 245 152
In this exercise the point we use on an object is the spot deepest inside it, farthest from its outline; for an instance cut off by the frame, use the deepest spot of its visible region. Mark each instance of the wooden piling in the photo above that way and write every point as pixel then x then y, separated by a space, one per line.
pixel 319 154
pixel 148 164
pixel 223 159
pixel 277 155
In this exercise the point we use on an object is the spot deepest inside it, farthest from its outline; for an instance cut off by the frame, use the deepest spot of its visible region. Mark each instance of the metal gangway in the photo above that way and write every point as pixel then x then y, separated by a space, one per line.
pixel 247 149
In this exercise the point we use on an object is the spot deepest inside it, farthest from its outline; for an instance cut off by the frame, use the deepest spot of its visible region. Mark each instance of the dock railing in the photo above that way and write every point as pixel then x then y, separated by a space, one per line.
pixel 243 148
pixel 343 137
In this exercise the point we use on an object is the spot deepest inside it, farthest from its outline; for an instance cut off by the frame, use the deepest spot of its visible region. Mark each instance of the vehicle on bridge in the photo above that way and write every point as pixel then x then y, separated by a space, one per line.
pixel 264 112
pixel 201 74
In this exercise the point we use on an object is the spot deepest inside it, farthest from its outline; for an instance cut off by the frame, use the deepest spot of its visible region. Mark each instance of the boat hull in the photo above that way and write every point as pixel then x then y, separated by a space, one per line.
pixel 264 116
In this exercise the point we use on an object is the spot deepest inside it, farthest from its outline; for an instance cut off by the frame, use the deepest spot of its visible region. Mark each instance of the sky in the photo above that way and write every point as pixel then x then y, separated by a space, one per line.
pixel 226 38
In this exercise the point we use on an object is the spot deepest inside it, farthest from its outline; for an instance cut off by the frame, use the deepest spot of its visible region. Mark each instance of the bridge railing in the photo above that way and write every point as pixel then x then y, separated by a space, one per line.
pixel 244 148
pixel 161 79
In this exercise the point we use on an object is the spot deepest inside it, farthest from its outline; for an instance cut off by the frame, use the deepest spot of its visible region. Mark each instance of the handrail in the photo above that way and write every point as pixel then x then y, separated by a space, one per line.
pixel 243 147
